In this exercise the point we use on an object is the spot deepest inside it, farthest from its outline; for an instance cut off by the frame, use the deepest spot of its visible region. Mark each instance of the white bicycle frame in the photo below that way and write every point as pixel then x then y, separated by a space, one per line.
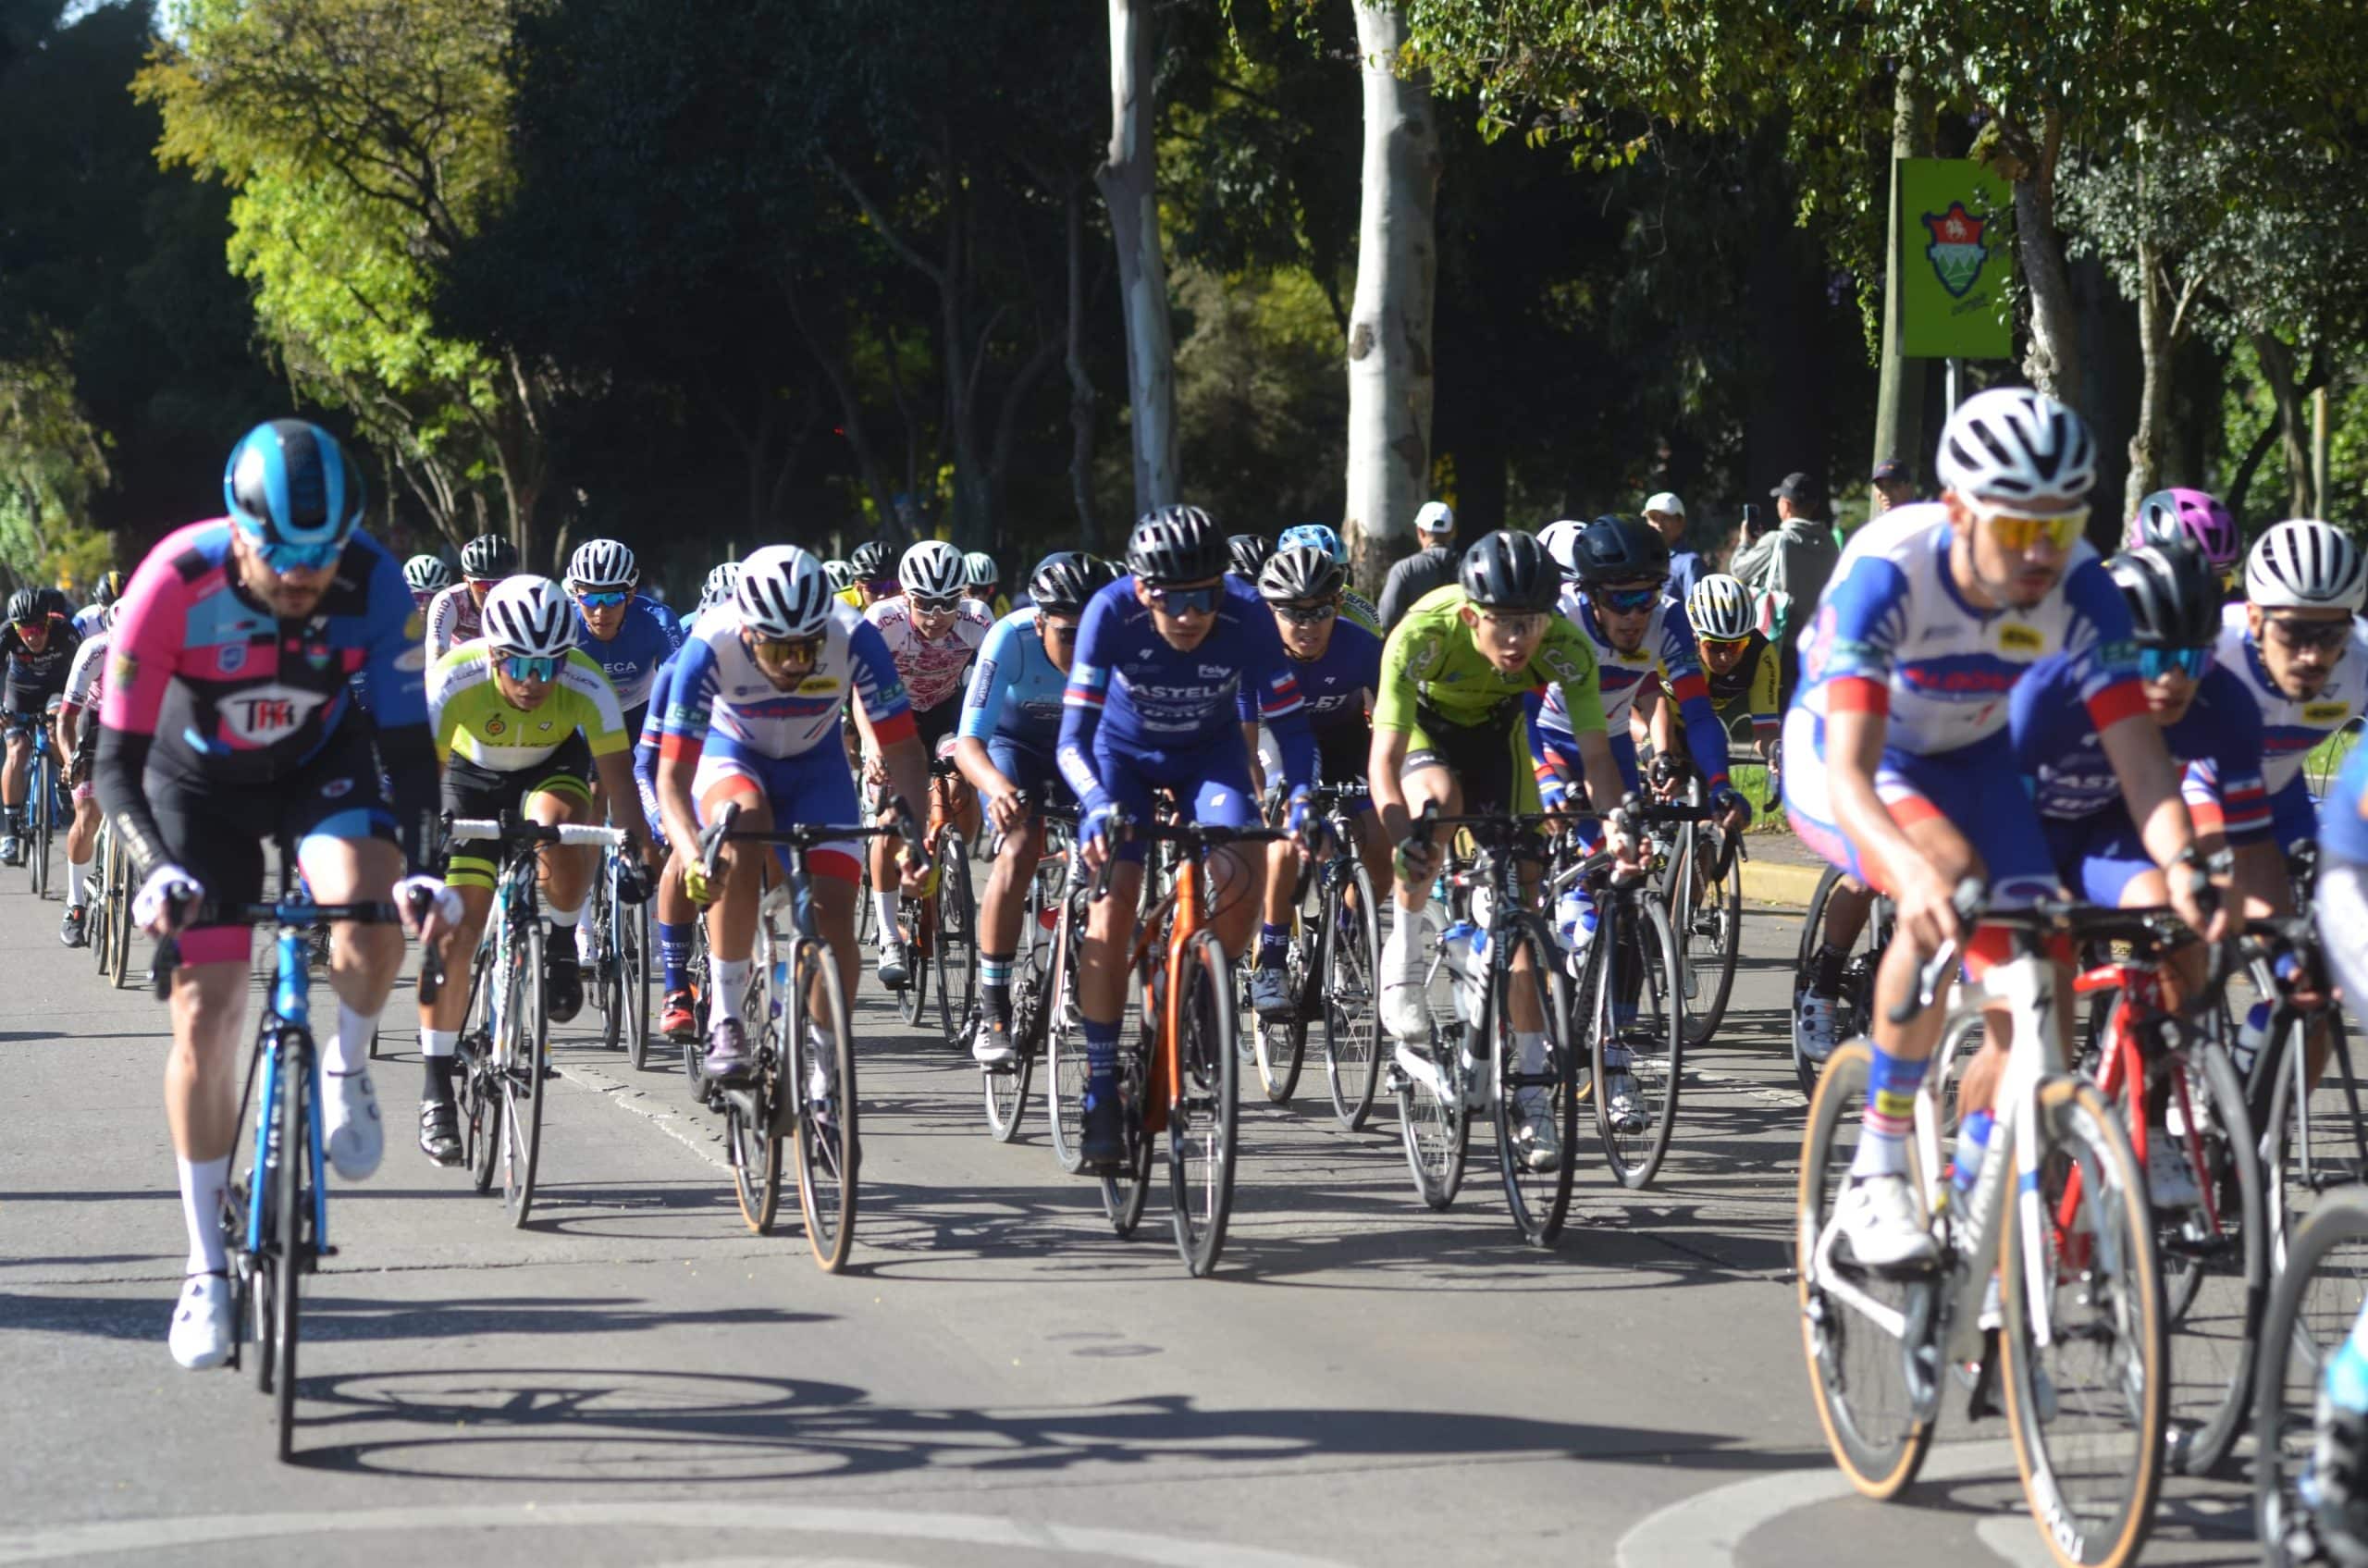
pixel 483 829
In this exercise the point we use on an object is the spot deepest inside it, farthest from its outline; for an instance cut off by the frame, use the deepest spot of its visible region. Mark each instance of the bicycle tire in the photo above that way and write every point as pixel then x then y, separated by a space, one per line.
pixel 1654 1036
pixel 521 1079
pixel 1878 1444
pixel 1539 1201
pixel 1853 1010
pixel 2215 1287
pixel 608 972
pixel 635 947
pixel 953 952
pixel 911 994
pixel 262 1296
pixel 1005 1090
pixel 481 1106
pixel 2305 1322
pixel 37 823
pixel 119 915
pixel 2320 1142
pixel 828 1156
pixel 1710 933
pixel 752 1147
pixel 1435 1130
pixel 287 1181
pixel 1351 1018
pixel 1125 1194
pixel 2132 1401
pixel 1064 1040
pixel 98 919
pixel 1204 1120
pixel 1279 1047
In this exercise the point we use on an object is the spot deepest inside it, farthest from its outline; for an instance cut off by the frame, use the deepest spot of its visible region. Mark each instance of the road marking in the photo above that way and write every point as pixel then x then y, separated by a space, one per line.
pixel 970 1529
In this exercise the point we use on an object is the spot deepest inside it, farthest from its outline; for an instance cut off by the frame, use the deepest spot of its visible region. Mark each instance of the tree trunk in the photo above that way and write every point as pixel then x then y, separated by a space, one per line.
pixel 1899 388
pixel 2150 444
pixel 1129 181
pixel 1081 395
pixel 1389 323
pixel 867 459
pixel 2290 393
pixel 2052 359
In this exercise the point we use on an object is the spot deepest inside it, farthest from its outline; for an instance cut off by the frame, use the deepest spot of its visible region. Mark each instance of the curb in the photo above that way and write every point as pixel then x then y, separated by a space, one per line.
pixel 1781 883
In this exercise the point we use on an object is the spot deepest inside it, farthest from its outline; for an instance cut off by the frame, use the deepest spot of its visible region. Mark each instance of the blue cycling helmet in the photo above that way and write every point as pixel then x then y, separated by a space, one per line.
pixel 1314 536
pixel 289 483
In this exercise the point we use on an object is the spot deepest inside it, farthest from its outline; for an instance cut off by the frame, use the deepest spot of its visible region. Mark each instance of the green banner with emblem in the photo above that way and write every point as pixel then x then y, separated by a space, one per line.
pixel 1956 259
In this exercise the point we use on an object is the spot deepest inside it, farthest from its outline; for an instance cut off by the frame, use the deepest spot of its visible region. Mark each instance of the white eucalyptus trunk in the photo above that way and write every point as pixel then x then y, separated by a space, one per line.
pixel 1130 187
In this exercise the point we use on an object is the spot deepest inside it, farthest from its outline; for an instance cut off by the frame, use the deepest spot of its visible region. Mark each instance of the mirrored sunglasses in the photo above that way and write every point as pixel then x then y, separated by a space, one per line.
pixel 2154 664
pixel 935 604
pixel 1624 601
pixel 1723 645
pixel 531 666
pixel 1190 602
pixel 1307 614
pixel 790 653
pixel 602 598
pixel 2023 530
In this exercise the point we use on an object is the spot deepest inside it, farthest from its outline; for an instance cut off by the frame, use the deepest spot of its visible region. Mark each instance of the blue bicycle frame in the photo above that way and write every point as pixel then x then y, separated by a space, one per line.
pixel 291 1014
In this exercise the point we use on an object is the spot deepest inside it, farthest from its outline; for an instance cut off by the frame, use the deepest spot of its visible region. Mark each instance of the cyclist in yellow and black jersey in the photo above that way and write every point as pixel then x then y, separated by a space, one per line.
pixel 1742 668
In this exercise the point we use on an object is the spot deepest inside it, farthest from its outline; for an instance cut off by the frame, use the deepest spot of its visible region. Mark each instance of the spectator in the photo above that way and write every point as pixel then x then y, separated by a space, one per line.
pixel 1786 568
pixel 1666 513
pixel 1431 566
pixel 1893 486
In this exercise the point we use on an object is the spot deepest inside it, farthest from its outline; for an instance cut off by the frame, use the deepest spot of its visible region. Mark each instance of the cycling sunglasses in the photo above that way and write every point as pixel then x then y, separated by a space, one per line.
pixel 602 598
pixel 1202 600
pixel 2298 634
pixel 1307 614
pixel 297 558
pixel 935 604
pixel 790 653
pixel 1056 632
pixel 1723 645
pixel 2023 530
pixel 531 666
pixel 1624 601
pixel 2154 664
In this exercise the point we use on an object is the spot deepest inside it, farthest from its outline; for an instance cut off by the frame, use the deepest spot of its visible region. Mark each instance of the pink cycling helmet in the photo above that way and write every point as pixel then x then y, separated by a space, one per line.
pixel 2194 516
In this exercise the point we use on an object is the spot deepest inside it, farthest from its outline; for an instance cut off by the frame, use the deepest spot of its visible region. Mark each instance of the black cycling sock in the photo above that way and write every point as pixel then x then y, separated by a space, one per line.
pixel 440 1072
pixel 1826 980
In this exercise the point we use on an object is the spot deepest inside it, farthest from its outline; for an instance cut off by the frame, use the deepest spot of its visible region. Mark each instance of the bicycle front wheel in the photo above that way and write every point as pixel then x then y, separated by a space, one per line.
pixel 634 944
pixel 1280 1044
pixel 2320 1294
pixel 519 1053
pixel 1636 1028
pixel 1433 1121
pixel 2215 1262
pixel 750 1141
pixel 821 1070
pixel 1006 1089
pixel 119 913
pixel 1351 1025
pixel 290 1201
pixel 1202 1121
pixel 1064 1040
pixel 954 955
pixel 1709 928
pixel 2088 1409
pixel 37 792
pixel 1536 1102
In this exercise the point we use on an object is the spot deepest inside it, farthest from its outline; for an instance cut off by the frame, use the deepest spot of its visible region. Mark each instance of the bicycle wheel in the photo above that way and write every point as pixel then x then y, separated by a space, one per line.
pixel 119 914
pixel 99 919
pixel 1852 1008
pixel 1432 1122
pixel 2214 1263
pixel 954 955
pixel 2086 1410
pixel 750 1143
pixel 1279 1045
pixel 828 1156
pixel 2320 1294
pixel 1203 1121
pixel 1538 1198
pixel 1125 1194
pixel 1006 1089
pixel 1709 928
pixel 481 1104
pixel 291 1222
pixel 2321 1144
pixel 635 947
pixel 1877 1396
pixel 1065 1040
pixel 37 823
pixel 1635 1019
pixel 912 921
pixel 1351 1024
pixel 520 1055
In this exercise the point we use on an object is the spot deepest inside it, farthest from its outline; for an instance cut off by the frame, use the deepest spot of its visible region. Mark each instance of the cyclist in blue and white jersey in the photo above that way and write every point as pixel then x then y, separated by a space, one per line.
pixel 673 912
pixel 627 633
pixel 755 720
pixel 1899 768
pixel 1152 702
pixel 91 618
pixel 1009 729
pixel 718 589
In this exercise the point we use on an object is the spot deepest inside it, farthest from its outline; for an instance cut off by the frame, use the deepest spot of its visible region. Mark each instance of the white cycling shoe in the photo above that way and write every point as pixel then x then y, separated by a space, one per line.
pixel 1880 1220
pixel 1813 1027
pixel 2170 1184
pixel 357 1140
pixel 203 1328
pixel 1540 1140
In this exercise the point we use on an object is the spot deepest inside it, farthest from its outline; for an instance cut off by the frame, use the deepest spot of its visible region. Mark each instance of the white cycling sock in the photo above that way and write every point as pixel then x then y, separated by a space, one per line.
pixel 436 1043
pixel 731 987
pixel 74 871
pixel 1401 951
pixel 564 918
pixel 202 1185
pixel 349 1049
pixel 886 904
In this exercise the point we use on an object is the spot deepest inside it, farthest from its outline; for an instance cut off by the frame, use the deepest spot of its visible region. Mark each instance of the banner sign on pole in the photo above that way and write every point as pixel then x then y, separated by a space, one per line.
pixel 1956 257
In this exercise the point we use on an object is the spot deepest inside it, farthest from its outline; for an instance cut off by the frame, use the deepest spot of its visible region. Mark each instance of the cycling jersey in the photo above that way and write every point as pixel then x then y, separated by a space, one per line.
pixel 1750 688
pixel 1667 649
pixel 1015 690
pixel 473 721
pixel 86 683
pixel 2217 741
pixel 33 678
pixel 931 668
pixel 454 617
pixel 2343 827
pixel 1358 611
pixel 718 688
pixel 1430 664
pixel 647 638
pixel 89 620
pixel 1334 683
pixel 2292 727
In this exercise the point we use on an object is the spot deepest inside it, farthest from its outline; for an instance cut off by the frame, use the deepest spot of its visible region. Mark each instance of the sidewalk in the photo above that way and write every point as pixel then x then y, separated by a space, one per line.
pixel 1782 871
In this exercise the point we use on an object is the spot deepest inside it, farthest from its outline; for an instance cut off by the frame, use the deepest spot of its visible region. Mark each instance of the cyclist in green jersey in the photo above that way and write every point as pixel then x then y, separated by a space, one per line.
pixel 1449 729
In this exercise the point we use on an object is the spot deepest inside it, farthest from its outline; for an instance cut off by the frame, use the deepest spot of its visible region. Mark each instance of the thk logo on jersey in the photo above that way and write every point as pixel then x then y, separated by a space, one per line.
pixel 267 714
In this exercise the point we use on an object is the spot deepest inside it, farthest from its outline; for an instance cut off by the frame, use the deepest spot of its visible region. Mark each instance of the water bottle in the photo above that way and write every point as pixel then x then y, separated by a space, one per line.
pixel 1574 918
pixel 1456 954
pixel 2251 1035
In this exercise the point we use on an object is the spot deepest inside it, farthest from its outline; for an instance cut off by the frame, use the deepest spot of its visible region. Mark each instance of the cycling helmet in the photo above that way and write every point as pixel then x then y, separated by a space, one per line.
pixel 1176 544
pixel 427 573
pixel 1720 607
pixel 289 483
pixel 1560 539
pixel 487 558
pixel 2012 444
pixel 1065 580
pixel 842 575
pixel 602 563
pixel 2173 515
pixel 2305 565
pixel 1248 552
pixel 719 586
pixel 870 561
pixel 1301 572
pixel 24 607
pixel 1510 571
pixel 1620 549
pixel 1314 535
pixel 2173 593
pixel 52 601
pixel 529 615
pixel 109 589
pixel 933 569
pixel 784 592
pixel 981 570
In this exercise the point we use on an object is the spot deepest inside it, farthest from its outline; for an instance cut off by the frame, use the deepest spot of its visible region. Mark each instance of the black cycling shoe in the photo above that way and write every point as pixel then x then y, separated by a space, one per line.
pixel 1102 1147
pixel 74 930
pixel 439 1131
pixel 563 986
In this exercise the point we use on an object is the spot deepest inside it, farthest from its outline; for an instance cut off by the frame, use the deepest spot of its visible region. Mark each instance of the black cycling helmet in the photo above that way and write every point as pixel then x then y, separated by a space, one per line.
pixel 1065 580
pixel 1300 573
pixel 2174 595
pixel 871 561
pixel 52 601
pixel 488 558
pixel 1510 571
pixel 1176 544
pixel 1621 550
pixel 24 607
pixel 1250 553
pixel 109 589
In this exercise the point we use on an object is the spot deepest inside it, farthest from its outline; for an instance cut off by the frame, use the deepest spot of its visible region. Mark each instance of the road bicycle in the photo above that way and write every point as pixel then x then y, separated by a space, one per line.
pixel 2313 1133
pixel 110 914
pixel 2057 1217
pixel 1702 886
pixel 505 1048
pixel 2320 1291
pixel 1854 1003
pixel 1334 954
pixel 938 932
pixel 1034 998
pixel 623 938
pixel 275 1217
pixel 42 814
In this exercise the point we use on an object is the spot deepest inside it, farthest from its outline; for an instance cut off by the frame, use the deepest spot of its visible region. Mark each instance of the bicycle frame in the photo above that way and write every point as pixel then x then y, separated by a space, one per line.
pixel 2123 1071
pixel 288 1022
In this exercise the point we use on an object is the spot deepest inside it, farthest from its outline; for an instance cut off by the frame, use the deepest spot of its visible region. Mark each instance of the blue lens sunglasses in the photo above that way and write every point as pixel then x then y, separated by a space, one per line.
pixel 2154 664
pixel 531 667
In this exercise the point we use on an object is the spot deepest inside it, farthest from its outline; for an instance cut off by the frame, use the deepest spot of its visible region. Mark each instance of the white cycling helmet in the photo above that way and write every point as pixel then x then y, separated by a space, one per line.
pixel 1720 607
pixel 2305 565
pixel 719 586
pixel 842 575
pixel 602 563
pixel 529 615
pixel 784 592
pixel 981 569
pixel 2012 444
pixel 1560 540
pixel 933 569
pixel 427 574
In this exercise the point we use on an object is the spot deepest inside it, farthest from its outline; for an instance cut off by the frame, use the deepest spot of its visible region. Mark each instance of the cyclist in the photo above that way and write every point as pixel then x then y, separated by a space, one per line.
pixel 754 722
pixel 1337 665
pixel 985 579
pixel 875 575
pixel 40 644
pixel 1740 668
pixel 454 614
pixel 2337 1483
pixel 522 719
pixel 718 589
pixel 842 578
pixel 1449 729
pixel 1355 607
pixel 2195 517
pixel 426 576
pixel 1899 766
pixel 1011 724
pixel 94 616
pixel 1246 555
pixel 85 689
pixel 229 719
pixel 933 630
pixel 1161 655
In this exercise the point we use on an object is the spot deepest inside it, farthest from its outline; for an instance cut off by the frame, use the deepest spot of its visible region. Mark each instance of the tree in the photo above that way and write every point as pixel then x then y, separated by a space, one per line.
pixel 1130 182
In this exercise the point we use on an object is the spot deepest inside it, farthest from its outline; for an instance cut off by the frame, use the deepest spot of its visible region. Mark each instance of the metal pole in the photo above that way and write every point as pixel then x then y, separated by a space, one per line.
pixel 1953 363
pixel 2319 507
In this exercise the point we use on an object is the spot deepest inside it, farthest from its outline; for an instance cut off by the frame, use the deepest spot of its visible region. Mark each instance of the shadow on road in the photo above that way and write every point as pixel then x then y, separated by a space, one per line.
pixel 354 1319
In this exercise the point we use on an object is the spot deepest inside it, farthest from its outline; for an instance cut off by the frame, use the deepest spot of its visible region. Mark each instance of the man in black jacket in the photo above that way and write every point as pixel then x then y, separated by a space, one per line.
pixel 1431 566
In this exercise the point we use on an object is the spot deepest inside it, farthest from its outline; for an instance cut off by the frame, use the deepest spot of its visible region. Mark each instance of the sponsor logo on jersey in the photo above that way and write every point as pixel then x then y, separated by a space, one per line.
pixel 413 660
pixel 817 685
pixel 495 726
pixel 232 659
pixel 336 788
pixel 267 714
pixel 2325 712
pixel 2020 639
pixel 122 670
pixel 416 627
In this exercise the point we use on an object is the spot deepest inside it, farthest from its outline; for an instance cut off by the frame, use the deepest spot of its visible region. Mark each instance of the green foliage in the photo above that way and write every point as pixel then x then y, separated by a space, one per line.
pixel 52 460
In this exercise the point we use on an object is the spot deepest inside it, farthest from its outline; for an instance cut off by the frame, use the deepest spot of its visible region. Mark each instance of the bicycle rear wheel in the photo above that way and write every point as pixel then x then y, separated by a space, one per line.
pixel 828 1155
pixel 37 823
pixel 119 913
pixel 1351 1025
pixel 2086 1411
pixel 1124 1195
pixel 2320 1294
pixel 481 1104
pixel 2214 1263
pixel 1006 1089
pixel 954 955
pixel 519 1056
pixel 289 1224
pixel 1538 1198
pixel 1064 1040
pixel 1279 1045
pixel 1633 1016
pixel 1709 924
pixel 2320 1137
pixel 1202 1121
pixel 912 922
pixel 634 946
pixel 750 1143
pixel 1433 1123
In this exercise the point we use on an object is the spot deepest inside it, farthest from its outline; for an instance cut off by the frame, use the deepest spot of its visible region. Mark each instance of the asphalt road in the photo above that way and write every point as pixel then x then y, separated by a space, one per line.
pixel 636 1379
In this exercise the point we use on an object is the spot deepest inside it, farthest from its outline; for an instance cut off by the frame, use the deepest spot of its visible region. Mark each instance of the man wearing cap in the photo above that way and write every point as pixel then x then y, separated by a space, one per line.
pixel 1893 486
pixel 1431 566
pixel 1666 513
pixel 1786 569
